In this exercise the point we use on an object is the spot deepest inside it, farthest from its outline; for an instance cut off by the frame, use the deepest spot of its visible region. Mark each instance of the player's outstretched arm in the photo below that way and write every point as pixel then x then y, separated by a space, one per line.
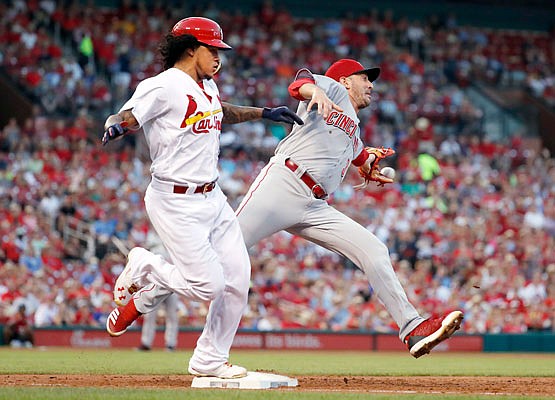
pixel 309 91
pixel 236 114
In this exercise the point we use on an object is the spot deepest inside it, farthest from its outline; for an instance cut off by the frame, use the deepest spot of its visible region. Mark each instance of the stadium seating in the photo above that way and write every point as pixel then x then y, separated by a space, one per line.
pixel 478 237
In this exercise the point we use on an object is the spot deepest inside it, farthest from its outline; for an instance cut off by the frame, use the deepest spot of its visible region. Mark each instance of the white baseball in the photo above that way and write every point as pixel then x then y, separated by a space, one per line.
pixel 388 171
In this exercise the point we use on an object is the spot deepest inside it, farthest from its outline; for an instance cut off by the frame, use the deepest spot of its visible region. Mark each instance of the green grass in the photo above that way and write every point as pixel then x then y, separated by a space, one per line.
pixel 130 362
pixel 116 361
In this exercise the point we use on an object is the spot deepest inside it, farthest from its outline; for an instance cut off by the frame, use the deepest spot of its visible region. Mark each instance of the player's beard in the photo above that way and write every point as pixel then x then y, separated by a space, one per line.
pixel 365 101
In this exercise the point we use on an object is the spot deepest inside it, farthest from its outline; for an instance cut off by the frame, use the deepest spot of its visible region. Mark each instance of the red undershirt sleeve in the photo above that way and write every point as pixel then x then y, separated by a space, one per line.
pixel 296 85
pixel 361 159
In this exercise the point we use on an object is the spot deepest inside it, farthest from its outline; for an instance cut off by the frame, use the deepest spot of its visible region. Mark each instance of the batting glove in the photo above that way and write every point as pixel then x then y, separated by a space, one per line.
pixel 281 114
pixel 113 132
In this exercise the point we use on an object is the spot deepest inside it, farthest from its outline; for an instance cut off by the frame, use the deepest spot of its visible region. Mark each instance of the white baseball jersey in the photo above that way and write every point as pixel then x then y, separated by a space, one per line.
pixel 325 147
pixel 182 124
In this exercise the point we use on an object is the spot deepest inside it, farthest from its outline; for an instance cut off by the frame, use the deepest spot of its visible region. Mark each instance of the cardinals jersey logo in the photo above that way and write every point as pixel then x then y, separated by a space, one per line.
pixel 199 119
pixel 191 108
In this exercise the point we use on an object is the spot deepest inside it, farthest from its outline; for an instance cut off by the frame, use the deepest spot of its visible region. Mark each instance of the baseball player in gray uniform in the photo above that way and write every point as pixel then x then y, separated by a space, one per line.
pixel 181 113
pixel 291 190
pixel 171 330
pixel 170 306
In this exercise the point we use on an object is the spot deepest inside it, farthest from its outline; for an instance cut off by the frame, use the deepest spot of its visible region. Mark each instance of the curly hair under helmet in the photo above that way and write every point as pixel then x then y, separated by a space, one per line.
pixel 173 47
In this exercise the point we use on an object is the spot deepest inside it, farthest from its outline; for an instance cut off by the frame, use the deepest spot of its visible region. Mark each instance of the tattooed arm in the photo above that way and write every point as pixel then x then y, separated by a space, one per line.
pixel 235 114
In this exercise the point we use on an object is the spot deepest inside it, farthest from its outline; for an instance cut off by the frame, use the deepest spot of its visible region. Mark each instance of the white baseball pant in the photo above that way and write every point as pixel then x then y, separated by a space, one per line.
pixel 210 263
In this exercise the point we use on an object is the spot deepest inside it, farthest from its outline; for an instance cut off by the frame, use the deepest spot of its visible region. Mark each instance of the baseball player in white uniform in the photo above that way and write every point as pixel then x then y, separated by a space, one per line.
pixel 291 190
pixel 181 113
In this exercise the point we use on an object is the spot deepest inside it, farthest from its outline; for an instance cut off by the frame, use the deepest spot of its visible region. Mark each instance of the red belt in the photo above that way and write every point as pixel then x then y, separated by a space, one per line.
pixel 317 189
pixel 204 188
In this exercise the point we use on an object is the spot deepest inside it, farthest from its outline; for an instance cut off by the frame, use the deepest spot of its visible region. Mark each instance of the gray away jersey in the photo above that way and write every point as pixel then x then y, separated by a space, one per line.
pixel 324 147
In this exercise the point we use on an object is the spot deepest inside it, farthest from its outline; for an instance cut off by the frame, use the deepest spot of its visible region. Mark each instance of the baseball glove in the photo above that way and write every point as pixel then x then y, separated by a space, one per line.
pixel 371 171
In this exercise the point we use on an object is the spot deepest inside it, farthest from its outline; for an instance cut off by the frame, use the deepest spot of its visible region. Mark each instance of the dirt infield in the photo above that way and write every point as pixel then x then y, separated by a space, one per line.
pixel 370 384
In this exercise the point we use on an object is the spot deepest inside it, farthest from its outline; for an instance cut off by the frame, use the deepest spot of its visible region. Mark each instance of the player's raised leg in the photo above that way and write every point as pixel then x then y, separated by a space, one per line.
pixel 125 285
pixel 337 232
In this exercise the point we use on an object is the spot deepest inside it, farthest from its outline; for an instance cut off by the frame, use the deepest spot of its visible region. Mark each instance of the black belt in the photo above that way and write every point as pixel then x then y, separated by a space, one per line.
pixel 204 188
pixel 317 189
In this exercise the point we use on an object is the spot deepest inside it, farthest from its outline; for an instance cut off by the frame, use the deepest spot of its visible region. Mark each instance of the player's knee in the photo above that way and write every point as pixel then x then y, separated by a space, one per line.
pixel 382 250
pixel 240 282
pixel 380 253
pixel 217 288
pixel 376 257
pixel 211 290
pixel 240 290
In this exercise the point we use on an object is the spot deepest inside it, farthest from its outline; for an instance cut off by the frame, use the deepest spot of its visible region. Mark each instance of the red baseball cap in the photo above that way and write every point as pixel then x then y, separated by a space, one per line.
pixel 348 67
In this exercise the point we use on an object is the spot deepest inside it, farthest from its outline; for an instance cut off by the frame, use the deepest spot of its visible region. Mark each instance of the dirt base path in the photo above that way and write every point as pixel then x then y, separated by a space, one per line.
pixel 369 384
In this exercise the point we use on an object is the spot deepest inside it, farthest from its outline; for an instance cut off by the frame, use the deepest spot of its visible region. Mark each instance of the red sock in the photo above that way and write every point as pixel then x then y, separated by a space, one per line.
pixel 129 314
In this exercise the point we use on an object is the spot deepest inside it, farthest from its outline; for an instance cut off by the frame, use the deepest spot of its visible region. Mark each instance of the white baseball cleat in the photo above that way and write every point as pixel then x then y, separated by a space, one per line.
pixel 225 371
pixel 125 287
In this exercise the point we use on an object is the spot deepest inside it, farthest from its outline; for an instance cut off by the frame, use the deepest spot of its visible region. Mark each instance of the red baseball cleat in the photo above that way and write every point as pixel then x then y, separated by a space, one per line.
pixel 432 332
pixel 120 318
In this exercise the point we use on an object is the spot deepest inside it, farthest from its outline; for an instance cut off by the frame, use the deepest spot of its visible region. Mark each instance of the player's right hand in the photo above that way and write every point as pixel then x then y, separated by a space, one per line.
pixel 113 132
pixel 281 114
pixel 325 105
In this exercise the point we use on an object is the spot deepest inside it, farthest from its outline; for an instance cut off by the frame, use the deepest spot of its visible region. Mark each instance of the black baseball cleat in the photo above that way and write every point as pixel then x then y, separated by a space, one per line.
pixel 432 332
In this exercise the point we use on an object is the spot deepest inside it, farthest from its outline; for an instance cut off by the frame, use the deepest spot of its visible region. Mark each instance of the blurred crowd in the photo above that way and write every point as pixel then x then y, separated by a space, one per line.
pixel 94 57
pixel 470 223
pixel 470 226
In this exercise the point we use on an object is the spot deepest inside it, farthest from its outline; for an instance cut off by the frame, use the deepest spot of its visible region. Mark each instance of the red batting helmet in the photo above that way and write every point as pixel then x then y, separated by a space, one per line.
pixel 205 30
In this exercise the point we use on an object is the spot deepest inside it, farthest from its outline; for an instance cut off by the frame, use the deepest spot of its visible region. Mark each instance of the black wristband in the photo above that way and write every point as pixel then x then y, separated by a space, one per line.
pixel 266 112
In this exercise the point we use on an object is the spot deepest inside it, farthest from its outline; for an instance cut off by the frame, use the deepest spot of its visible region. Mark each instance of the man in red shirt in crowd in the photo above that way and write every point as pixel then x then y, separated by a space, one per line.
pixel 18 332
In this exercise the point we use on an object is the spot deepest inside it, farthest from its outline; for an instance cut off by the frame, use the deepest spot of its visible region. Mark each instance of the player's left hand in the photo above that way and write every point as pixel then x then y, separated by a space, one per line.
pixel 281 114
pixel 113 132
pixel 370 171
